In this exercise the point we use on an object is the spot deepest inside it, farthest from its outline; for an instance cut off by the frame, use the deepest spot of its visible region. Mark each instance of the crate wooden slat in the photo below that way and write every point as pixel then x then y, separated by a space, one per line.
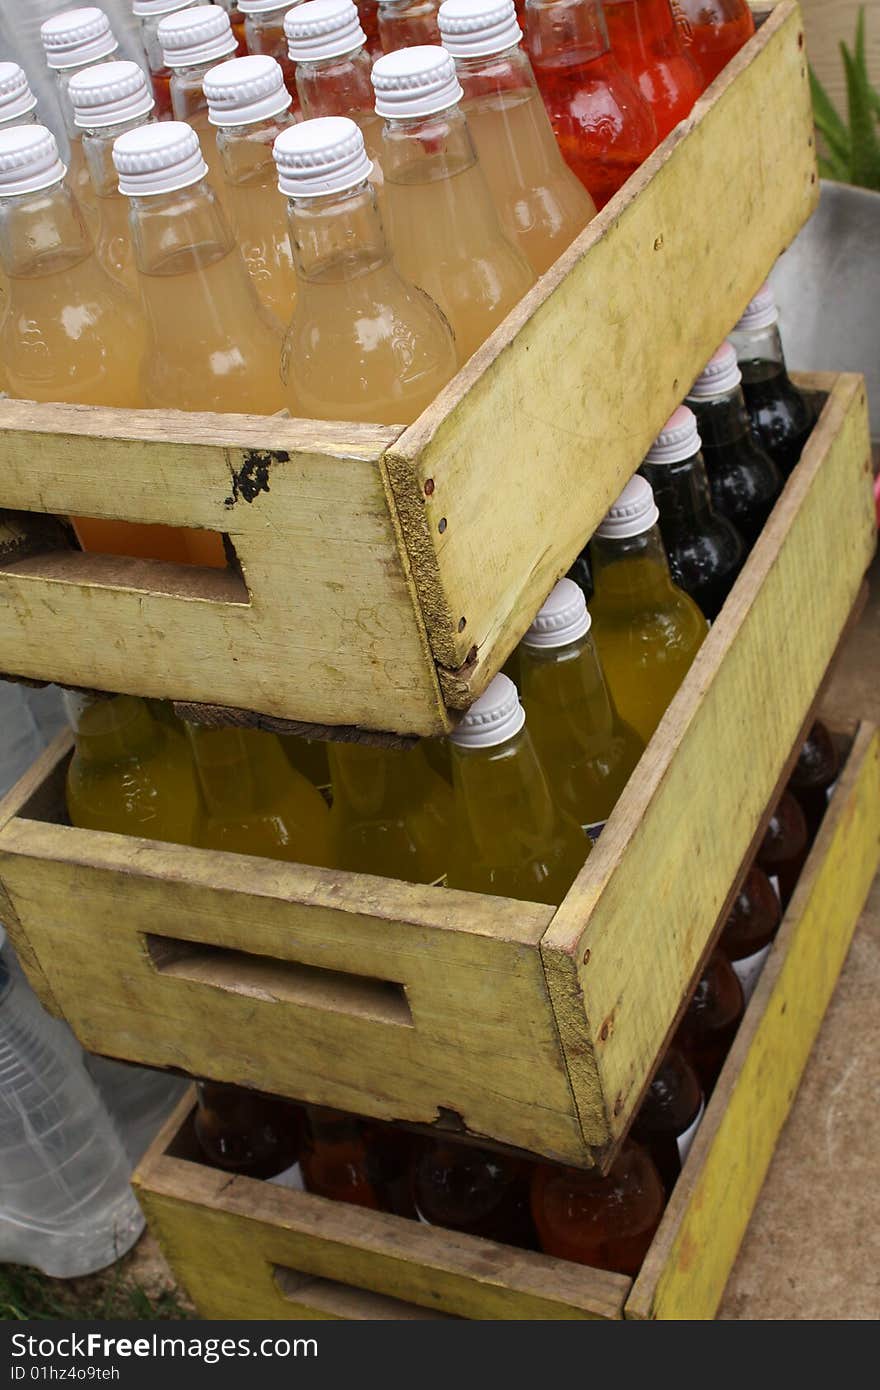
pixel 384 575
pixel 423 1005
pixel 247 1250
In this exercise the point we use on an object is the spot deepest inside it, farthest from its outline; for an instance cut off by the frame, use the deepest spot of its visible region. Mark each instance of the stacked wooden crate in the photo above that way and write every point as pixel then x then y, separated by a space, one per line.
pixel 377 580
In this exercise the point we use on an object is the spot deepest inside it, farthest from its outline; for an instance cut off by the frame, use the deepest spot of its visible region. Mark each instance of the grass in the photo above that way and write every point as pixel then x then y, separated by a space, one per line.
pixel 113 1294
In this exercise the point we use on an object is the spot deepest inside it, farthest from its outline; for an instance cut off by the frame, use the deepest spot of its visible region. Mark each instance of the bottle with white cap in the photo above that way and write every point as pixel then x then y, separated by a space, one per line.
pixel 193 42
pixel 18 105
pixel 542 204
pixel 236 19
pixel 585 748
pixel 328 46
pixel 705 550
pixel 648 631
pixel 363 344
pixel 150 13
pixel 745 481
pixel 212 346
pixel 72 41
pixel 443 223
pixel 782 418
pixel 368 10
pixel 406 23
pixel 249 106
pixel 510 837
pixel 264 33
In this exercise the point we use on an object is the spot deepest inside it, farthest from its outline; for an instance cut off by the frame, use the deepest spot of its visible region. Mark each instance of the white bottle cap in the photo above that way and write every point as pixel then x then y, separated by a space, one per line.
pixel 679 438
pixel 246 90
pixel 148 9
pixel 719 376
pixel 109 95
pixel 199 35
pixel 29 160
pixel 415 82
pixel 322 29
pixel 158 158
pixel 263 6
pixel 324 155
pixel 76 37
pixel 494 718
pixel 16 97
pixel 761 311
pixel 634 512
pixel 478 28
pixel 564 618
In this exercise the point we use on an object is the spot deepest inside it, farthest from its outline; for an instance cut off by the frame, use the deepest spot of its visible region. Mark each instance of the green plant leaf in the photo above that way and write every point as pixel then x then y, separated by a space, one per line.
pixel 865 146
pixel 830 126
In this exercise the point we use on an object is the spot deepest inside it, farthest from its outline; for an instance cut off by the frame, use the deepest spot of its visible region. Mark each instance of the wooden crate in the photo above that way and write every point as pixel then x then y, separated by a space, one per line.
pixel 534 1027
pixel 246 1249
pixel 384 575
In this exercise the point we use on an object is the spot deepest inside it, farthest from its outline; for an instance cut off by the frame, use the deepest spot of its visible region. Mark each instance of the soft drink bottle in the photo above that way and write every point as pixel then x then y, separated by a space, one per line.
pixel 714 30
pixel 751 925
pixel 705 550
pixel 407 23
pixel 509 837
pixel 368 12
pixel 815 774
pixel 604 125
pixel 264 33
pixel 391 813
pixel 543 206
pixel 363 344
pixel 745 481
pixel 605 1222
pixel 389 1153
pixel 193 42
pixel 245 1132
pixel 308 756
pixel 648 45
pixel 584 747
pixel 18 105
pixel 237 23
pixel 150 12
pixel 669 1117
pixel 335 1161
pixel 481 1193
pixel 647 629
pixel 253 802
pixel 72 41
pixel 444 226
pixel 129 774
pixel 329 48
pixel 249 107
pixel 711 1019
pixel 785 846
pixel 782 419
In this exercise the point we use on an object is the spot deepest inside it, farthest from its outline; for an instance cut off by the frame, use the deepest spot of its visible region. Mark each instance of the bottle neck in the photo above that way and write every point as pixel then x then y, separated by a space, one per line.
pixel 722 420
pixel 501 794
pixel 569 684
pixel 62 83
pixel 42 233
pixel 336 86
pixel 246 150
pixel 643 29
pixel 631 572
pixel 110 730
pixel 150 34
pixel 29 118
pixel 237 769
pixel 98 150
pixel 176 233
pixel 338 237
pixel 509 71
pixel 563 33
pixel 427 148
pixel 681 491
pixel 187 96
pixel 759 345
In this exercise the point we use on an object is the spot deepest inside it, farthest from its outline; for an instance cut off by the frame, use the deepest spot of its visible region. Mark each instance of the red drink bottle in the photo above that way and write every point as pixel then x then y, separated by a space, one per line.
pixel 606 1222
pixel 604 126
pixel 815 773
pixel 714 30
pixel 335 1161
pixel 751 925
pixel 711 1020
pixel 670 1114
pixel 368 12
pixel 646 42
pixel 785 846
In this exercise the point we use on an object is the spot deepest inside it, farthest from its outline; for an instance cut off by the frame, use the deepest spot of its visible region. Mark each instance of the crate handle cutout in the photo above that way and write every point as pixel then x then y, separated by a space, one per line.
pixel 346 1300
pixel 89 569
pixel 275 981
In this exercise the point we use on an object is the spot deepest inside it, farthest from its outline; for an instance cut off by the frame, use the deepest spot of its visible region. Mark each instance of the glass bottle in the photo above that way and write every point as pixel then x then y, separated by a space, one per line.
pixel 150 12
pixel 129 774
pixel 751 925
pixel 744 480
pixel 335 1161
pixel 237 23
pixel 714 30
pixel 584 747
pixel 18 105
pixel 605 1222
pixel 603 124
pixel 646 628
pixel 464 1188
pixel 72 41
pixel 646 42
pixel 391 813
pixel 193 42
pixel 407 23
pixel 705 550
pixel 247 1133
pixel 368 13
pixel 782 419
pixel 543 206
pixel 249 107
pixel 264 33
pixel 711 1019
pixel 308 756
pixel 363 344
pixel 252 800
pixel 509 838
pixel 443 224
pixel 814 776
pixel 785 846
pixel 390 1151
pixel 668 1118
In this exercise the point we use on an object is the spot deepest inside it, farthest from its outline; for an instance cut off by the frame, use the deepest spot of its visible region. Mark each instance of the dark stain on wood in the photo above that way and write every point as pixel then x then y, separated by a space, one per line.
pixel 253 476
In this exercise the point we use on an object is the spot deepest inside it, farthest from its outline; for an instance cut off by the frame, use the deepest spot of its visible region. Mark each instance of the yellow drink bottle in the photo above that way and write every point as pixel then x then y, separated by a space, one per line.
pixel 509 837
pixel 542 204
pixel 585 748
pixel 308 756
pixel 391 813
pixel 442 221
pixel 363 344
pixel 254 802
pixel 249 107
pixel 193 42
pixel 647 630
pixel 129 773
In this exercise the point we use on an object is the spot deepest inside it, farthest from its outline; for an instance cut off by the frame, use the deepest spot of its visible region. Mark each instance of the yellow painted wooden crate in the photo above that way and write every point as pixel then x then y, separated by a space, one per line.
pixel 248 1249
pixel 382 575
pixel 532 1026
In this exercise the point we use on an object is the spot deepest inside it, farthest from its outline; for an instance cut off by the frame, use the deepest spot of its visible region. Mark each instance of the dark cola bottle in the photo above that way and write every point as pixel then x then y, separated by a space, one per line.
pixel 474 1190
pixel 246 1132
pixel 782 418
pixel 669 1116
pixel 751 925
pixel 815 773
pixel 711 1019
pixel 785 846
